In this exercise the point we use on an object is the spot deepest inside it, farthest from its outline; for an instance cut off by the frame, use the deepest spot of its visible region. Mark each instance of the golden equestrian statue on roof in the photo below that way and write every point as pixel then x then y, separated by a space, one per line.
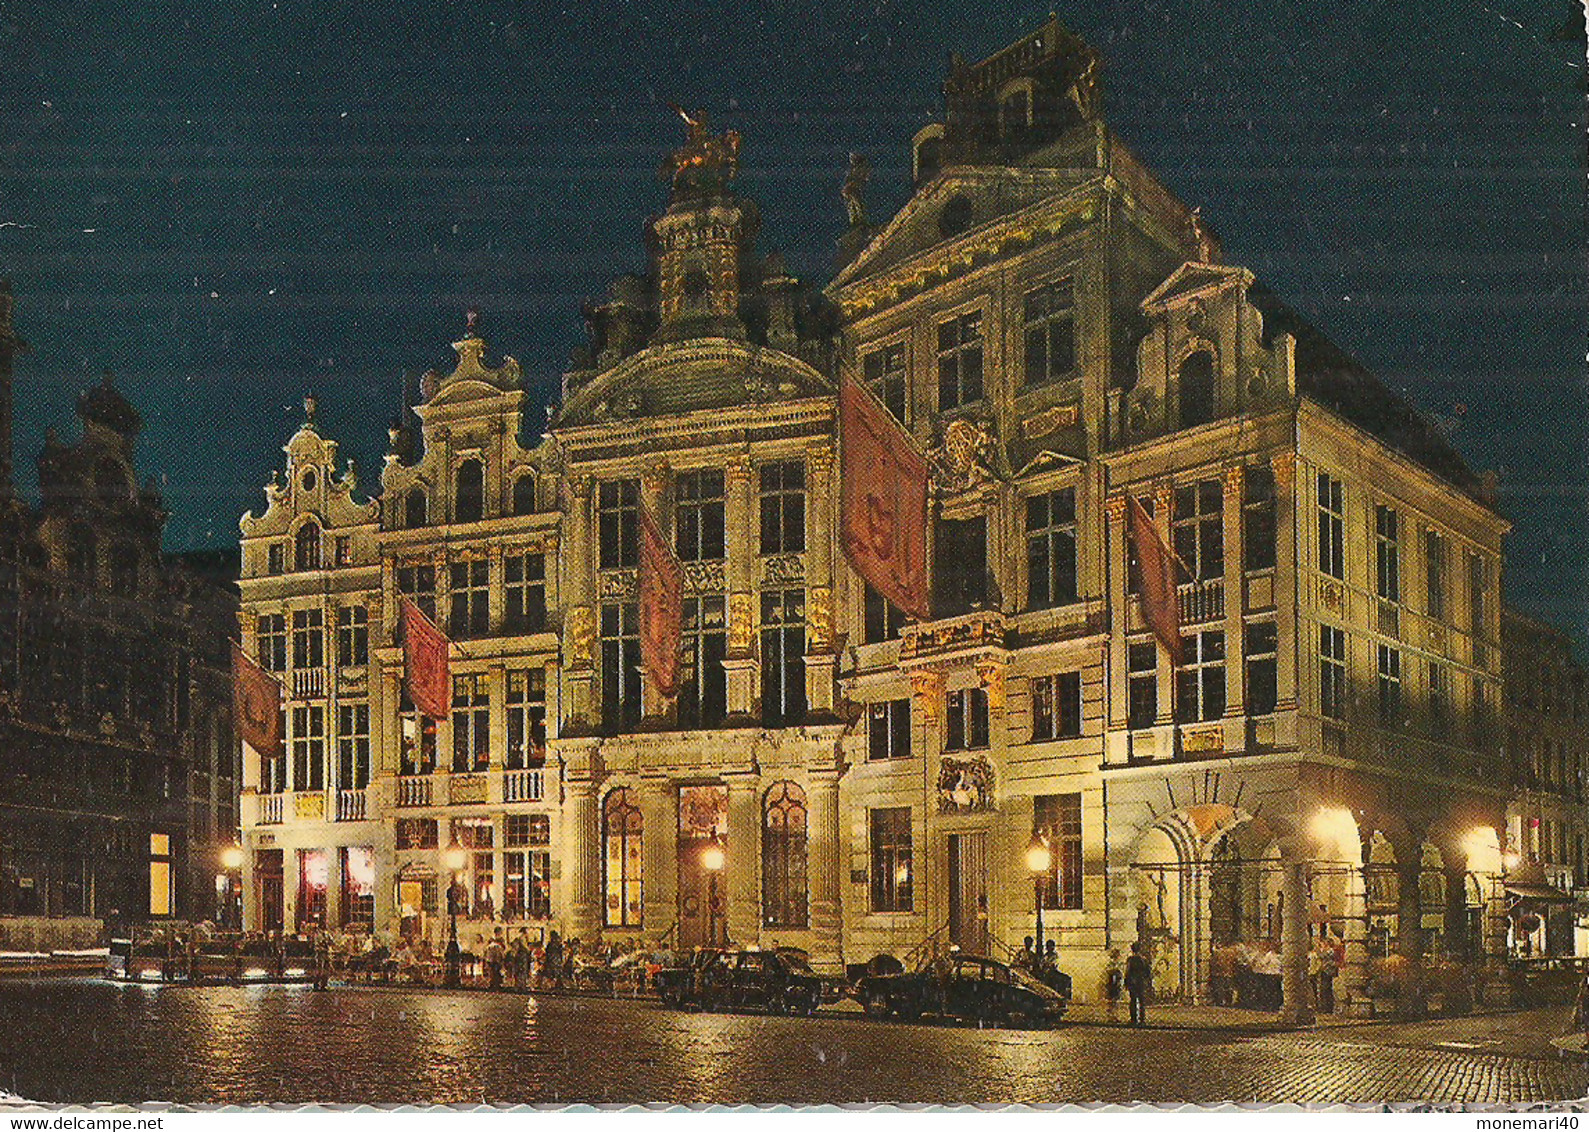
pixel 706 162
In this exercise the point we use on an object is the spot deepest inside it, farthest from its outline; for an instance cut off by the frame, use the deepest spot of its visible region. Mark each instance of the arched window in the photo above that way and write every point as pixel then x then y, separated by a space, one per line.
pixel 783 858
pixel 470 497
pixel 306 547
pixel 1197 389
pixel 81 555
pixel 414 508
pixel 926 150
pixel 524 494
pixel 621 828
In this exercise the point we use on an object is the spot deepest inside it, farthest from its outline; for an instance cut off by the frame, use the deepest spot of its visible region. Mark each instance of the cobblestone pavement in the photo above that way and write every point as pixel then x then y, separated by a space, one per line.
pixel 86 1040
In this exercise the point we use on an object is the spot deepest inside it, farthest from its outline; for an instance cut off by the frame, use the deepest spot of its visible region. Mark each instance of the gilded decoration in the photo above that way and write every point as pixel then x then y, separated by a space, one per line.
pixel 928 690
pixel 1115 508
pixel 704 577
pixel 309 806
pixel 819 617
pixel 990 676
pixel 581 635
pixel 983 629
pixel 706 162
pixel 965 785
pixel 617 585
pixel 1050 420
pixel 741 622
pixel 1284 465
pixel 783 570
pixel 1203 740
pixel 1233 478
pixel 463 789
pixel 966 457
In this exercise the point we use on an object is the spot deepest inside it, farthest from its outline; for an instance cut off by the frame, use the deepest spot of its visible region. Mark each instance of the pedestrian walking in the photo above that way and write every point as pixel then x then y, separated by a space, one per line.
pixel 496 953
pixel 1328 969
pixel 1114 984
pixel 322 959
pixel 1139 978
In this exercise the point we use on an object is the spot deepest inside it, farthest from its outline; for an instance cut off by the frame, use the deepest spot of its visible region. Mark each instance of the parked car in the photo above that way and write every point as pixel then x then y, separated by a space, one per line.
pixel 968 987
pixel 778 981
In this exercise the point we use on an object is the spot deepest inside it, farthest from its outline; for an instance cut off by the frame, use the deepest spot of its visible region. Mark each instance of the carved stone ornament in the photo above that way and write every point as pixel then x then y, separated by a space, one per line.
pixel 620 407
pixel 761 388
pixel 581 635
pixel 928 689
pixel 1050 420
pixel 741 623
pixel 617 585
pixel 965 459
pixel 965 786
pixel 783 570
pixel 819 617
pixel 704 577
pixel 990 675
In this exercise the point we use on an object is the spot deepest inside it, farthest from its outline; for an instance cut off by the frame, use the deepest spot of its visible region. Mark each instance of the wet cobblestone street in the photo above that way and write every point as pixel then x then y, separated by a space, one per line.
pixel 87 1040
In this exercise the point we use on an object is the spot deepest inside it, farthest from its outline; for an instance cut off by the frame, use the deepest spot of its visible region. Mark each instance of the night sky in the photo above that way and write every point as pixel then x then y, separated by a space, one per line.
pixel 234 204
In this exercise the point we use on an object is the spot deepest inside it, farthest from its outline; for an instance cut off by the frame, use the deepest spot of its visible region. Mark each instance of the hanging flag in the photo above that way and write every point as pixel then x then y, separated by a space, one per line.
pixel 256 699
pixel 661 606
pixel 1161 603
pixel 425 668
pixel 883 500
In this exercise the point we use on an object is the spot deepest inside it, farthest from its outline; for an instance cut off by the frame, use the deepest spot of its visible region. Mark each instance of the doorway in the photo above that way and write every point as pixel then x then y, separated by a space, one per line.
pixel 268 872
pixel 703 890
pixel 968 892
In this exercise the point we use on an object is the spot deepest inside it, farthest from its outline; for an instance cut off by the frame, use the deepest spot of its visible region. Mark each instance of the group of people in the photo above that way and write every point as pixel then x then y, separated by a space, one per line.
pixel 1041 965
pixel 521 961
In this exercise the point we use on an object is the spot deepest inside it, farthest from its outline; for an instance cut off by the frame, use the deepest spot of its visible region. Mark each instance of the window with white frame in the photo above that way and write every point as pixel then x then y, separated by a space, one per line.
pixel 469 599
pixel 353 746
pixel 1200 681
pixel 960 361
pixel 1332 527
pixel 1198 528
pixel 883 370
pixel 1056 706
pixel 353 636
pixel 524 586
pixel 888 730
pixel 526 718
pixel 471 723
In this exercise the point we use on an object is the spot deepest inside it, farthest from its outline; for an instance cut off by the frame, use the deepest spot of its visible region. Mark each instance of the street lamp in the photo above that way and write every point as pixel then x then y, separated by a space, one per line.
pixel 1039 861
pixel 454 859
pixel 712 860
pixel 232 863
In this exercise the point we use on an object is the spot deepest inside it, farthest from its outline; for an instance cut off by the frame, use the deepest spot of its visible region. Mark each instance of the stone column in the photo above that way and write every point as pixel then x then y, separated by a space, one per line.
pixel 578 587
pixel 820 657
pixel 581 872
pixel 1458 946
pixel 1235 639
pixel 743 880
pixel 1296 995
pixel 1117 709
pixel 824 865
pixel 1163 511
pixel 742 544
pixel 659 807
pixel 1288 558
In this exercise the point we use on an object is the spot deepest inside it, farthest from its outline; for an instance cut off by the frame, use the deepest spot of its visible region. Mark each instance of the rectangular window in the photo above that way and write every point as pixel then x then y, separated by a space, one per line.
pixel 527 884
pixel 620 665
pixel 1051 549
pixel 966 720
pixel 1261 646
pixel 1200 681
pixel 1142 663
pixel 1332 527
pixel 1389 685
pixel 276 558
pixel 1258 517
pixel 519 830
pixel 960 566
pixel 353 746
pixel 418 739
pixel 1056 706
pixel 342 550
pixel 524 585
pixel 888 730
pixel 416 833
pixel 783 663
pixel 308 639
pixel 1056 822
pixel 1332 672
pixel 618 523
pixel 1198 528
pixel 1387 553
pixel 884 620
pixel 1478 583
pixel 1439 700
pixel 272 768
pixel 698 515
pixel 1050 323
pixel 473 833
pixel 418 585
pixel 469 592
pixel 471 723
pixel 891 860
pixel 271 629
pixel 783 508
pixel 526 718
pixel 353 636
pixel 883 370
pixel 703 696
pixel 308 748
pixel 960 361
pixel 1434 557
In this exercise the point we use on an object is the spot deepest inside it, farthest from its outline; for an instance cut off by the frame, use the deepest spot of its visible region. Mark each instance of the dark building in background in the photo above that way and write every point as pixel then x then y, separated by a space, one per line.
pixel 118 762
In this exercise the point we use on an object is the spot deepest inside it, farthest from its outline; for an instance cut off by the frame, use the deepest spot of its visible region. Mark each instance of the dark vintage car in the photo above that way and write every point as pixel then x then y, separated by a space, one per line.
pixel 969 987
pixel 776 981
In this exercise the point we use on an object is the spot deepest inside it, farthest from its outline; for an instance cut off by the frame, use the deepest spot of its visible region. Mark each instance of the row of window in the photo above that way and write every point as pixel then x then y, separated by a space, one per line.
pixel 1387 556
pixel 699 510
pixel 1200 680
pixel 1056 823
pixel 308 638
pixel 1391 701
pixel 82 562
pixel 1056 714
pixel 1048 329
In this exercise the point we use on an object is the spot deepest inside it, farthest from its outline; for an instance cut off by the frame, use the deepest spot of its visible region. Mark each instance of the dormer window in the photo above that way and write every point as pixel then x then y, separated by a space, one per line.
pixel 306 547
pixel 469 505
pixel 414 507
pixel 927 151
pixel 1015 109
pixel 524 494
pixel 1197 389
pixel 308 480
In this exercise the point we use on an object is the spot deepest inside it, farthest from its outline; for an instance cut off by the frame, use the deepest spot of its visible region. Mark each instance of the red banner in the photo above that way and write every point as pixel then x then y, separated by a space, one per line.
pixel 425 668
pixel 661 606
pixel 883 501
pixel 1161 603
pixel 256 700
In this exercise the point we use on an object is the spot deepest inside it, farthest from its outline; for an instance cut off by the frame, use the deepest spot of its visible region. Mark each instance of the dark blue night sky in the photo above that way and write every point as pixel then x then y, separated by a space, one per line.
pixel 234 204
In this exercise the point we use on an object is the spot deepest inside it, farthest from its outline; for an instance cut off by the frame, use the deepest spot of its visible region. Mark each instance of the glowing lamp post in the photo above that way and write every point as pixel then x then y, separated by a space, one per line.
pixel 1039 861
pixel 230 884
pixel 712 860
pixel 454 859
